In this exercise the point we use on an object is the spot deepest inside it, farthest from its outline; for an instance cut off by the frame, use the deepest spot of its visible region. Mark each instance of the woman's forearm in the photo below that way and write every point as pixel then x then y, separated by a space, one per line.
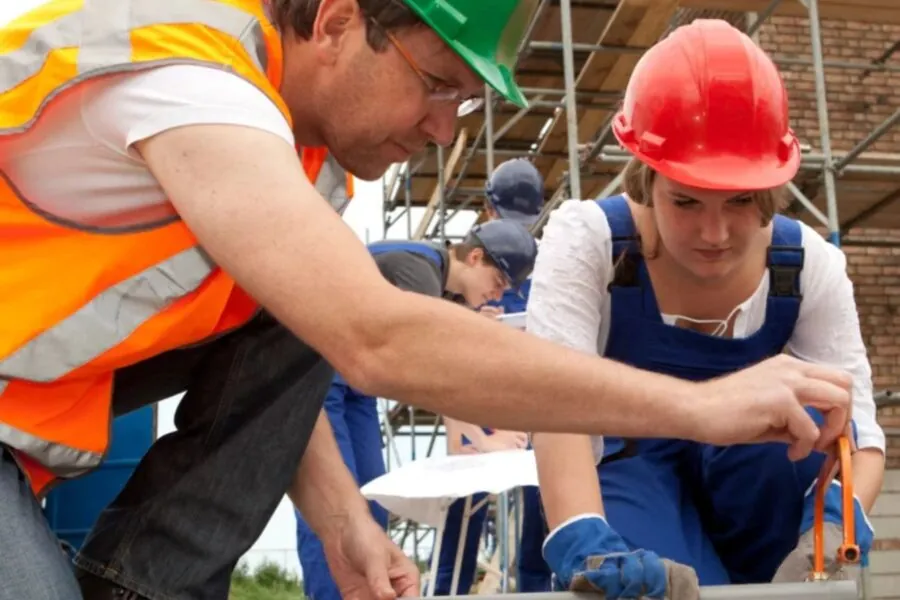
pixel 868 476
pixel 568 476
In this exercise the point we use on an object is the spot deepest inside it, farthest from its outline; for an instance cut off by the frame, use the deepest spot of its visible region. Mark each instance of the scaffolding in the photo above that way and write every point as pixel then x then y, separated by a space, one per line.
pixel 573 66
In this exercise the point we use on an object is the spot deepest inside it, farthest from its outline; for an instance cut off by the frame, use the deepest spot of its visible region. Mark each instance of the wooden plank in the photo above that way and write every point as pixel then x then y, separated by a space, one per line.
pixel 635 23
pixel 861 11
pixel 449 168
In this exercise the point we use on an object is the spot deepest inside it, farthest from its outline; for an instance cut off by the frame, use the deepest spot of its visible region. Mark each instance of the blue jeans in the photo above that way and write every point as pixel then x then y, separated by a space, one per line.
pixel 203 494
pixel 32 564
pixel 354 419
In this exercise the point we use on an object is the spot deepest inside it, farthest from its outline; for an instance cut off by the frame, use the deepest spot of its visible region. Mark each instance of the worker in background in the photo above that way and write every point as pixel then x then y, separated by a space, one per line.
pixel 492 258
pixel 692 273
pixel 160 235
pixel 514 191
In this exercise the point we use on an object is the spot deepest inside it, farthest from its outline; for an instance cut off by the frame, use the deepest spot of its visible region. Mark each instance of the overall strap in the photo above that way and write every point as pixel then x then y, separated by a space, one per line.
pixel 420 248
pixel 626 254
pixel 785 263
pixel 625 291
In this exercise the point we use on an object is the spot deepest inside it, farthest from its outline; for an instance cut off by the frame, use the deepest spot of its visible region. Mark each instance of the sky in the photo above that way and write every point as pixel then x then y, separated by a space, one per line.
pixel 364 216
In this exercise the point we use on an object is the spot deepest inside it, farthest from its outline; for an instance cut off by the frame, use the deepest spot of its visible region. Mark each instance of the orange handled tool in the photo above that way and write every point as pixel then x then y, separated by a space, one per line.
pixel 848 553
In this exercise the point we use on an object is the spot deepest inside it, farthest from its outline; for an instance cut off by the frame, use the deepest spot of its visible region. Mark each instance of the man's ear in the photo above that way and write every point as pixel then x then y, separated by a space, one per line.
pixel 475 257
pixel 335 19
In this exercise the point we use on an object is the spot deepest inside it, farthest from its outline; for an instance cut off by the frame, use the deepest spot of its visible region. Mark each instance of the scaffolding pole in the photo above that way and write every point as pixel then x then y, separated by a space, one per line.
pixel 407 200
pixel 834 228
pixel 441 208
pixel 565 8
pixel 814 590
pixel 867 141
pixel 489 130
pixel 760 18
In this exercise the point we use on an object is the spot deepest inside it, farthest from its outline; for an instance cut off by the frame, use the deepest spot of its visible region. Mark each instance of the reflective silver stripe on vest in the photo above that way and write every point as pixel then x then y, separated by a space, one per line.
pixel 62 460
pixel 332 184
pixel 101 30
pixel 108 319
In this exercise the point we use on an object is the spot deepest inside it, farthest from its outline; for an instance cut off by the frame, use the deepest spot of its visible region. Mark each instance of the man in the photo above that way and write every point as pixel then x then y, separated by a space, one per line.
pixel 493 257
pixel 152 202
pixel 514 191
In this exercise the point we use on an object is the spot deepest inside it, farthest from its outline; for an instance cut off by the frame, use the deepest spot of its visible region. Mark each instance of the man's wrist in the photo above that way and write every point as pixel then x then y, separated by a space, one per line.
pixel 336 517
pixel 685 413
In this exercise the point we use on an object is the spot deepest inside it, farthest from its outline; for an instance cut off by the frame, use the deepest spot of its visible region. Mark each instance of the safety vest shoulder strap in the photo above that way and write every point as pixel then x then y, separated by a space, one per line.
pixel 62 43
pixel 329 178
pixel 419 248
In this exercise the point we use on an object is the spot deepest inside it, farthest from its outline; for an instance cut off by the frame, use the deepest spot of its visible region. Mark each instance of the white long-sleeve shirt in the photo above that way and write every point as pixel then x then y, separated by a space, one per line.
pixel 570 304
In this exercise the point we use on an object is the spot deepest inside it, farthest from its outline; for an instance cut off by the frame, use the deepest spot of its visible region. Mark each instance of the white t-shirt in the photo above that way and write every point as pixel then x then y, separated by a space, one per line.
pixel 569 303
pixel 77 164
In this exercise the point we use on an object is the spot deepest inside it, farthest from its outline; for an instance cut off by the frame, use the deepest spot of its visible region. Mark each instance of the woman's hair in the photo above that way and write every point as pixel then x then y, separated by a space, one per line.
pixel 299 15
pixel 638 178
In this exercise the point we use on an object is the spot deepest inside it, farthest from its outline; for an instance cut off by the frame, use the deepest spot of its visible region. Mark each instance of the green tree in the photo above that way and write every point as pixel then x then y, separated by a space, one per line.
pixel 269 581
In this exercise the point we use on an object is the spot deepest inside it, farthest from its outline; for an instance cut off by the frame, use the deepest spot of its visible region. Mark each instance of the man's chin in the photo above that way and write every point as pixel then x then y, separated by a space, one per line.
pixel 368 170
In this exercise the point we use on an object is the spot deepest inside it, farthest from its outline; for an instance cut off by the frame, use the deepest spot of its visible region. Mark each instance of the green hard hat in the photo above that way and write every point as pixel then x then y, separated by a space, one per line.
pixel 486 34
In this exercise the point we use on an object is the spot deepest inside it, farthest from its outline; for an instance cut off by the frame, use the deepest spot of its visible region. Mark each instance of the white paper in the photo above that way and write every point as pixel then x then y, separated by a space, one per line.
pixel 517 320
pixel 422 489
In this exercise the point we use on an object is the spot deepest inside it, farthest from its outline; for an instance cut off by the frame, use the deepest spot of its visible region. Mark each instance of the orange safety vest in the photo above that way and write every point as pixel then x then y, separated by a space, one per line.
pixel 79 304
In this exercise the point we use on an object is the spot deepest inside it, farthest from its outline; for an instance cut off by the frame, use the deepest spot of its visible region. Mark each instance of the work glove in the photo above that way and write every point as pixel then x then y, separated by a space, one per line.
pixel 586 555
pixel 799 563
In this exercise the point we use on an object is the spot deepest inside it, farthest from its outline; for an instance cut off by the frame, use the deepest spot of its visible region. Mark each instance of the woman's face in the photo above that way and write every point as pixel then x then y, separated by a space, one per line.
pixel 709 233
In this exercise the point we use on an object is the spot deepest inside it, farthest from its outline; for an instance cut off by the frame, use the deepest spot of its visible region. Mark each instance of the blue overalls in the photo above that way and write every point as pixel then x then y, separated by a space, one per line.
pixel 354 420
pixel 732 513
pixel 513 301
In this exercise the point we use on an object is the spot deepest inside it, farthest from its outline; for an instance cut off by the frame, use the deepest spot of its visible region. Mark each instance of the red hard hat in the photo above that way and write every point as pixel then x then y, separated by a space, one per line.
pixel 707 108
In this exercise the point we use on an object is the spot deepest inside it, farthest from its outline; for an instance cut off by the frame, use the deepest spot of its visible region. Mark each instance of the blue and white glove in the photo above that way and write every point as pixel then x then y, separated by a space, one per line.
pixel 799 563
pixel 585 554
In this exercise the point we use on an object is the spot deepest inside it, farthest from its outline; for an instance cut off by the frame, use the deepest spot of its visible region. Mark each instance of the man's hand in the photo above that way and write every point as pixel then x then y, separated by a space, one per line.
pixel 366 564
pixel 765 403
pixel 502 440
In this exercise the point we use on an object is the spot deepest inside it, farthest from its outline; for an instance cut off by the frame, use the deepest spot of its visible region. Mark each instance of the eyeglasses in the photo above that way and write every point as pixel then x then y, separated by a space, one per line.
pixel 437 92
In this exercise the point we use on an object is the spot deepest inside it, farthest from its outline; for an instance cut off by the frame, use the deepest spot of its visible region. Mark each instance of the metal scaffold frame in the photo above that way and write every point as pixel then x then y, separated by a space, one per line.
pixel 452 197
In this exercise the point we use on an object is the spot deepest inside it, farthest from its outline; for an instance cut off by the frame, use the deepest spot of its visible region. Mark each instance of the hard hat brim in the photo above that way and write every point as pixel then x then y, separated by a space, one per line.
pixel 726 172
pixel 524 219
pixel 498 77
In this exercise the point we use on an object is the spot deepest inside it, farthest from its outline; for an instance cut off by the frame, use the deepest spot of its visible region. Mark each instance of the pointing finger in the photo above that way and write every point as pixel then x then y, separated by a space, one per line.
pixel 833 402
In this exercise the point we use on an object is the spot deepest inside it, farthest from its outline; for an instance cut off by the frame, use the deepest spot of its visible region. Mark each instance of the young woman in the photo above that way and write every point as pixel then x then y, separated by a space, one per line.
pixel 691 272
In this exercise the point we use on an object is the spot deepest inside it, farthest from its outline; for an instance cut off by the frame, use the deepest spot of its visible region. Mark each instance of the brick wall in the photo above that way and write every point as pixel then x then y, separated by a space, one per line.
pixel 875 272
pixel 856 104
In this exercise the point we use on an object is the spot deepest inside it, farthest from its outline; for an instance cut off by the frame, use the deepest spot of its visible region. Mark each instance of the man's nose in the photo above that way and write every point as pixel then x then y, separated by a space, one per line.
pixel 440 124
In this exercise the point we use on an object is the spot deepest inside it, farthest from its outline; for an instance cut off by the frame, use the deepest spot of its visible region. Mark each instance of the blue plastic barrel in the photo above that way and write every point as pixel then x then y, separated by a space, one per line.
pixel 73 506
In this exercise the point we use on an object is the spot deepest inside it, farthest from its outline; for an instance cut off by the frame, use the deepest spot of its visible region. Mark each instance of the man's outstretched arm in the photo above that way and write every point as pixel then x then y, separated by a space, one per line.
pixel 244 195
